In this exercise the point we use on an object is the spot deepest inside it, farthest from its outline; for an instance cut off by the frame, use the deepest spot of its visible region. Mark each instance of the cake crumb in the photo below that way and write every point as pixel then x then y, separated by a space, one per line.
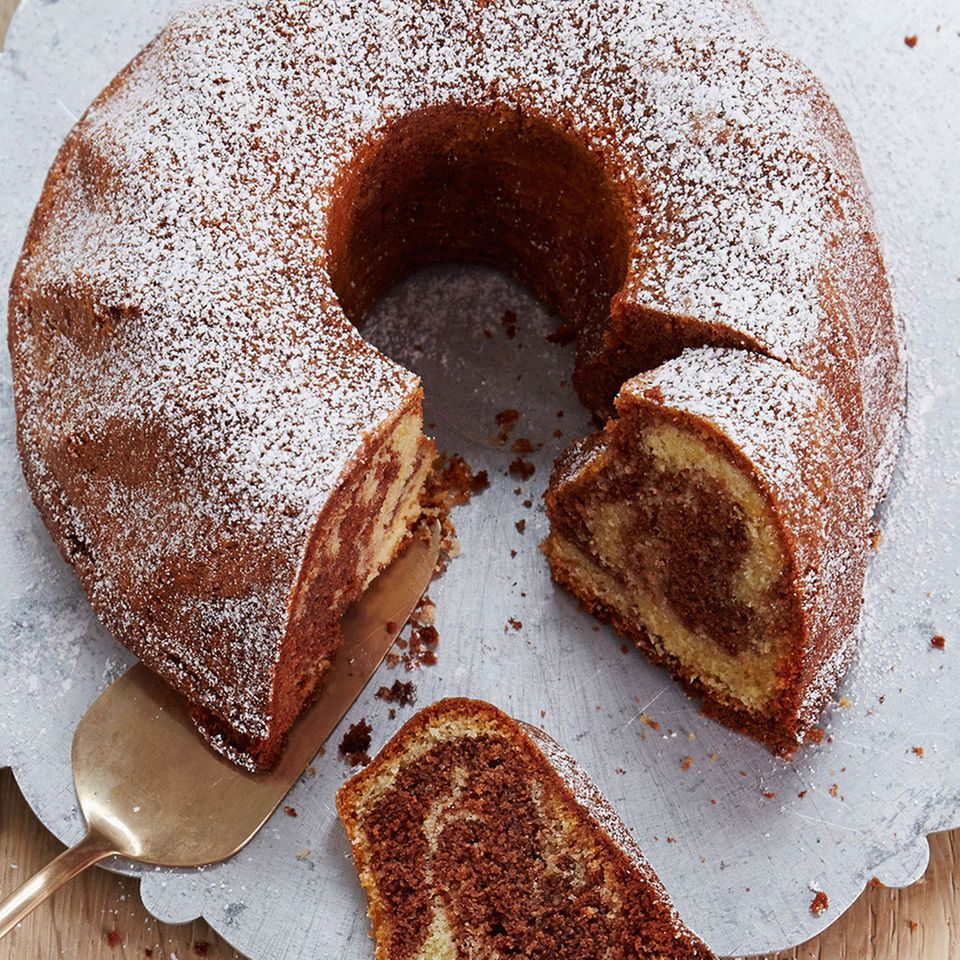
pixel 290 811
pixel 819 903
pixel 649 721
pixel 506 421
pixel 522 469
pixel 402 692
pixel 917 750
pixel 114 938
pixel 833 789
pixel 356 743
pixel 201 948
pixel 939 641
pixel 522 445
pixel 875 883
pixel 911 40
pixel 514 623
pixel 686 763
pixel 521 525
pixel 913 925
pixel 815 735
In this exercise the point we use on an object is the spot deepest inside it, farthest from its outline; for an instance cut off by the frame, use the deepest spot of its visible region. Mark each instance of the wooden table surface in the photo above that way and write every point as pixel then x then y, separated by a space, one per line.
pixel 99 915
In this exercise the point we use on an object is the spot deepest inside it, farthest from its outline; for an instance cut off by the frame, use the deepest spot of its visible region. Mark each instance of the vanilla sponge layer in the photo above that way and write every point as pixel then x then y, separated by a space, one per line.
pixel 599 550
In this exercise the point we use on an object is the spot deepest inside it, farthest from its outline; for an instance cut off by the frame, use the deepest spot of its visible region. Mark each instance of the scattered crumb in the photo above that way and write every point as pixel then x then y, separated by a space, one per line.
pixel 624 648
pixel 815 735
pixel 356 743
pixel 421 648
pixel 521 525
pixel 522 445
pixel 671 839
pixel 686 763
pixel 911 41
pixel 649 721
pixel 833 790
pixel 819 903
pixel 938 641
pixel 148 951
pixel 845 702
pixel 403 692
pixel 506 421
pixel 304 854
pixel 290 811
pixel 514 623
pixel 114 938
pixel 201 948
pixel 769 794
pixel 522 469
pixel 917 750
pixel 453 479
pixel 875 883
pixel 451 483
pixel 802 794
pixel 913 925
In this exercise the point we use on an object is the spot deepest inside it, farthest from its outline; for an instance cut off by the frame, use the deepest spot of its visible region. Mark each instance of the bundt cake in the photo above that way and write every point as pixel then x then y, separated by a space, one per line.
pixel 478 836
pixel 226 463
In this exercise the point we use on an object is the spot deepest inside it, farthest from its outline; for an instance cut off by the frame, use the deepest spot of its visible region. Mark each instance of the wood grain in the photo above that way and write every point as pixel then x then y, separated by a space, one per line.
pixel 99 915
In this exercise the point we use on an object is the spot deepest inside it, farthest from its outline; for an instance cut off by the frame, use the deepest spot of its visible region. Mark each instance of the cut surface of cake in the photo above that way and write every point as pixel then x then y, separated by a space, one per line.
pixel 476 836
pixel 718 521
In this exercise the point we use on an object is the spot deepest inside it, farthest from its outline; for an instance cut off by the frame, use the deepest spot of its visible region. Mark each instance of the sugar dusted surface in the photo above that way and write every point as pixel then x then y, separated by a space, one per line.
pixel 193 200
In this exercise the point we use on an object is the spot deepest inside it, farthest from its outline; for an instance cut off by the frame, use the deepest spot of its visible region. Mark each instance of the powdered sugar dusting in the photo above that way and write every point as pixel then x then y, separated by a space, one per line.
pixel 190 210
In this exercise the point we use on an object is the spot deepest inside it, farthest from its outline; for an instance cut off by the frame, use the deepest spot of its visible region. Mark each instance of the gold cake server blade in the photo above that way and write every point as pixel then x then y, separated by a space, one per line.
pixel 152 790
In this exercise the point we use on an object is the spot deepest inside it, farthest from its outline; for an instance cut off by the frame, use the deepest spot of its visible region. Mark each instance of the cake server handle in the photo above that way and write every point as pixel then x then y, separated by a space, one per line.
pixel 52 877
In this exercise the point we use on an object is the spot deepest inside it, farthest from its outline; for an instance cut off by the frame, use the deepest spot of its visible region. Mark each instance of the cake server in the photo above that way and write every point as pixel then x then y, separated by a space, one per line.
pixel 152 790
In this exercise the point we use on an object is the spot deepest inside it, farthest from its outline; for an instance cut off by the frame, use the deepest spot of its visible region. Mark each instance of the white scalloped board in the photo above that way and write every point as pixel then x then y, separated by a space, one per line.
pixel 740 870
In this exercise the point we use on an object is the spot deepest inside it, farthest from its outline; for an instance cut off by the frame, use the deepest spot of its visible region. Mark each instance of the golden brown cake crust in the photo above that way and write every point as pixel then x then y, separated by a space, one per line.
pixel 532 858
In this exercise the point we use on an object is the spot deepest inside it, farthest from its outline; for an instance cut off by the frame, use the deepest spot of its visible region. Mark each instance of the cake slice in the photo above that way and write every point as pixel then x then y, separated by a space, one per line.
pixel 476 836
pixel 719 521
